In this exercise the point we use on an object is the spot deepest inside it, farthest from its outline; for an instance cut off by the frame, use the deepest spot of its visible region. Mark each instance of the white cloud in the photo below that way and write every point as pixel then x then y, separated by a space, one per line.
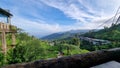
pixel 39 28
pixel 69 8
pixel 98 12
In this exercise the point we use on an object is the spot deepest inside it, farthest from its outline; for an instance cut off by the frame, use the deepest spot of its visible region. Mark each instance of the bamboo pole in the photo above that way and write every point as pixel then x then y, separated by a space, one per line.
pixel 13 39
pixel 4 45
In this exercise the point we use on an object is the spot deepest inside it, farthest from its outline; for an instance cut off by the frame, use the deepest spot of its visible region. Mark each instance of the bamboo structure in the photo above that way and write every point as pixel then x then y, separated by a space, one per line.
pixel 6 28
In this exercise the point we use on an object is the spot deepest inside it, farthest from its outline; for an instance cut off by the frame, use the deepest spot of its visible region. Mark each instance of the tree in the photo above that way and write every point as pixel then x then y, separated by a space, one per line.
pixel 76 41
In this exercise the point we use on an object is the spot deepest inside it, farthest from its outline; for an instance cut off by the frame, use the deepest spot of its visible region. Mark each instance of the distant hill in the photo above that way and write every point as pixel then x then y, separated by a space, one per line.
pixel 112 33
pixel 61 35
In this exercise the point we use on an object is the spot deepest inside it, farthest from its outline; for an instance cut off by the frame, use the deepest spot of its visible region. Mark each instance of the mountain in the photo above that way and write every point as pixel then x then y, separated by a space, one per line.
pixel 61 35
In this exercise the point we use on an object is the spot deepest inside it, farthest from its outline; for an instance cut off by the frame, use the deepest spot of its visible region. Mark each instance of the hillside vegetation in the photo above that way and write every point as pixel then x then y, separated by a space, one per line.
pixel 29 48
pixel 111 34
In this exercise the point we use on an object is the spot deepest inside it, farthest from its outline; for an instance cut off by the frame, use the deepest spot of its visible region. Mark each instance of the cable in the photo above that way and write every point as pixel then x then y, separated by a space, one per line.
pixel 116 14
pixel 118 20
pixel 102 24
pixel 110 19
pixel 105 22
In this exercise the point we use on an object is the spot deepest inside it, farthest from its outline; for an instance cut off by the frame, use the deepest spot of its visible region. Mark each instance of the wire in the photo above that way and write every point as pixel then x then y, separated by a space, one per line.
pixel 118 20
pixel 117 12
pixel 103 23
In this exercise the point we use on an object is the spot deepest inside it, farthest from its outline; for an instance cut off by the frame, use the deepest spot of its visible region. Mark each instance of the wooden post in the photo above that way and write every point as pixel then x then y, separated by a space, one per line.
pixel 4 45
pixel 9 20
pixel 13 39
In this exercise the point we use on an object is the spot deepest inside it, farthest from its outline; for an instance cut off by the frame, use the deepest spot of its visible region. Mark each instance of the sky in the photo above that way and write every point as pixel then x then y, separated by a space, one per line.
pixel 44 17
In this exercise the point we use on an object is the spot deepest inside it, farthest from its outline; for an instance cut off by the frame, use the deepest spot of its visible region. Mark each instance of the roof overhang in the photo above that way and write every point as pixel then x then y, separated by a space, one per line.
pixel 5 12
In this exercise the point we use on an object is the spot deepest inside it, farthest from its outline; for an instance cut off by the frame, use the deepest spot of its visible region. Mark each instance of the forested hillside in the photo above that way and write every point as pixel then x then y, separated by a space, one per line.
pixel 111 34
pixel 29 48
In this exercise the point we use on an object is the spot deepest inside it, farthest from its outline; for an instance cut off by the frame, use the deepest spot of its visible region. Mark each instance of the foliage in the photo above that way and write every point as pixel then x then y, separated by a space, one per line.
pixel 16 55
pixel 112 34
pixel 1 59
pixel 29 49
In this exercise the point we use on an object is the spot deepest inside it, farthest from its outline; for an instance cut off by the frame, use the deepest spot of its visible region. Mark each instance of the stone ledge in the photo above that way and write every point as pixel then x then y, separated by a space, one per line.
pixel 75 61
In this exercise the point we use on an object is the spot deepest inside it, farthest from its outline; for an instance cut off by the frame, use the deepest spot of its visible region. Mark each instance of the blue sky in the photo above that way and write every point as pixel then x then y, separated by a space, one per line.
pixel 43 17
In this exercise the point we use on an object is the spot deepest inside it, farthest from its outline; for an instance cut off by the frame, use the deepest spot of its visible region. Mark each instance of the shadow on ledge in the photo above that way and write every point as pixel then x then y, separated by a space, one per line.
pixel 76 61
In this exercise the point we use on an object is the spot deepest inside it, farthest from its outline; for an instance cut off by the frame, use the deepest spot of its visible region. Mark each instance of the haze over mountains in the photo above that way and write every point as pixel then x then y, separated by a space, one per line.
pixel 106 33
pixel 66 34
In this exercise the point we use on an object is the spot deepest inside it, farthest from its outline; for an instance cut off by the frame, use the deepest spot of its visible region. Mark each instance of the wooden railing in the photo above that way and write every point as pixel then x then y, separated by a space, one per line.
pixel 7 27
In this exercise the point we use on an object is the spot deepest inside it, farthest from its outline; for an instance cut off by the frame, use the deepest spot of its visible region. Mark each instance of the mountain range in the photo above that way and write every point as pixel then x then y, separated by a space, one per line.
pixel 61 35
pixel 111 33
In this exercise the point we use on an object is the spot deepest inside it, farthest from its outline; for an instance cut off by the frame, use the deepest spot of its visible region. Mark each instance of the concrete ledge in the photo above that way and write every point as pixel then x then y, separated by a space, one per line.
pixel 111 64
pixel 76 61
